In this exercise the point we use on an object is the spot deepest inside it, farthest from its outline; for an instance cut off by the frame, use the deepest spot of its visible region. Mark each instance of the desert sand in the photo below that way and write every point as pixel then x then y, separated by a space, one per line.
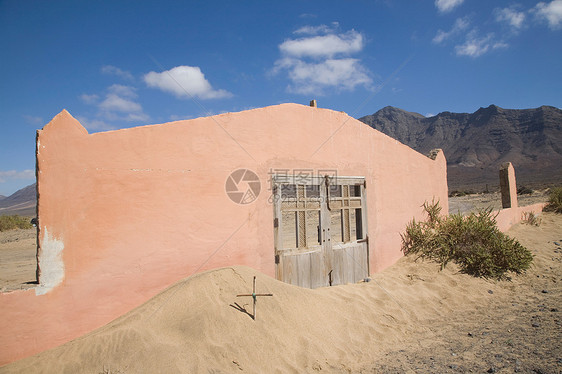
pixel 474 202
pixel 410 318
pixel 18 249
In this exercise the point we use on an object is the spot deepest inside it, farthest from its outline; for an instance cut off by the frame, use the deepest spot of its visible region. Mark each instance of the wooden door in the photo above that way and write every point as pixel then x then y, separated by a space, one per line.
pixel 320 230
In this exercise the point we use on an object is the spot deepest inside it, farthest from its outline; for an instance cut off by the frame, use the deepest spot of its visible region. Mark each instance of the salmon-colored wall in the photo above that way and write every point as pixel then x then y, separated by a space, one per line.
pixel 513 214
pixel 508 217
pixel 132 211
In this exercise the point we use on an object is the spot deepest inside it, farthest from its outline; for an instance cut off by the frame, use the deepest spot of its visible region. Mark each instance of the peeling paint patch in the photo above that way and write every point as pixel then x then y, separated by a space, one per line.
pixel 50 264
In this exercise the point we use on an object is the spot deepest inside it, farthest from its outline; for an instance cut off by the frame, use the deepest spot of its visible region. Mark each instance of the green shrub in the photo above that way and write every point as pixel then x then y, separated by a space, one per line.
pixel 473 242
pixel 555 200
pixel 14 222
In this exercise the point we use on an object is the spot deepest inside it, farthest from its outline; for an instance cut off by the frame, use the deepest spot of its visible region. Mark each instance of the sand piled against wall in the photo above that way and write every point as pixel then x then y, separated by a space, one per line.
pixel 196 325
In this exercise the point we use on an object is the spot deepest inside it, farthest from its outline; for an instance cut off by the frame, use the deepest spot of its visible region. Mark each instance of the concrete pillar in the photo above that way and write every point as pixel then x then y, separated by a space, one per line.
pixel 508 186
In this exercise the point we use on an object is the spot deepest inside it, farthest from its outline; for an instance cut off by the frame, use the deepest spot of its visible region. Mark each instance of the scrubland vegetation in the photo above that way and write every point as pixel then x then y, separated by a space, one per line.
pixel 473 242
pixel 14 222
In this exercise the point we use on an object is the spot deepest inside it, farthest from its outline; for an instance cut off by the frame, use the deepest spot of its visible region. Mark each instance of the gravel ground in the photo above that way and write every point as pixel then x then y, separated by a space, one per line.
pixel 519 331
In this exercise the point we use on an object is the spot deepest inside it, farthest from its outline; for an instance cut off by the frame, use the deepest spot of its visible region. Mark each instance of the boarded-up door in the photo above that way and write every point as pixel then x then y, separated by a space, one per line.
pixel 320 230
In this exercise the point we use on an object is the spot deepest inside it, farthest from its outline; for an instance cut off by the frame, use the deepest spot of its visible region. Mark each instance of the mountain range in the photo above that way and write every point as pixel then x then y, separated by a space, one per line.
pixel 22 202
pixel 476 144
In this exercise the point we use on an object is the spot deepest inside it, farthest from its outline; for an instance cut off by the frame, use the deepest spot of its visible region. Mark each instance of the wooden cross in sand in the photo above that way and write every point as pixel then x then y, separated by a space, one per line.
pixel 255 297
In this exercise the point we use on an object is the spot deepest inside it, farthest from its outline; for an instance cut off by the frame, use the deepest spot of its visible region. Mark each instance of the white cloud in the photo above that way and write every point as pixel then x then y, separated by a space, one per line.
pixel 441 36
pixel 315 77
pixel 475 46
pixel 94 124
pixel 125 91
pixel 445 6
pixel 317 63
pixel 117 103
pixel 89 99
pixel 551 12
pixel 112 70
pixel 515 17
pixel 121 99
pixel 33 120
pixel 176 117
pixel 14 174
pixel 498 45
pixel 323 45
pixel 511 16
pixel 315 30
pixel 460 25
pixel 184 81
pixel 137 117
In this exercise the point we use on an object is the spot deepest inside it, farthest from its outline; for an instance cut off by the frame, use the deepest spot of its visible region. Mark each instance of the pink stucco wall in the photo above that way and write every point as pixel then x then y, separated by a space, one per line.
pixel 508 217
pixel 512 212
pixel 130 212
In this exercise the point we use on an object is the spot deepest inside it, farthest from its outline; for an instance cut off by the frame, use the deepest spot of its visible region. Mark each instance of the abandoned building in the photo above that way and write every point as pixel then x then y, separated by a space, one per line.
pixel 310 196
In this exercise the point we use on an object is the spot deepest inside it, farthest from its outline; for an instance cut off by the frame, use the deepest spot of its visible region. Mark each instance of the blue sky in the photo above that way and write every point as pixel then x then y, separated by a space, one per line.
pixel 117 64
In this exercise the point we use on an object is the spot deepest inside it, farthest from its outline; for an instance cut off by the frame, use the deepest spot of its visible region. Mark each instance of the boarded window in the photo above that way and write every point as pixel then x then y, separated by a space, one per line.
pixel 300 206
pixel 345 207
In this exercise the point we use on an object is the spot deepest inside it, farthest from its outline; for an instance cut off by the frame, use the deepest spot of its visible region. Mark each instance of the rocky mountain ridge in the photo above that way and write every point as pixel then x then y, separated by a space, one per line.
pixel 476 144
pixel 21 202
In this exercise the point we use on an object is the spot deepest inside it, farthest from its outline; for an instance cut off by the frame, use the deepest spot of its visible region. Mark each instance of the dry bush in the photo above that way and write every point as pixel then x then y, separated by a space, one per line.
pixel 14 222
pixel 524 191
pixel 531 219
pixel 473 242
pixel 554 200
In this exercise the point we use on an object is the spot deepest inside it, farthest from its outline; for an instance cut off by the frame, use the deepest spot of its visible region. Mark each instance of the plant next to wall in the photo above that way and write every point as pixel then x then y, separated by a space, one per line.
pixel 473 242
pixel 554 200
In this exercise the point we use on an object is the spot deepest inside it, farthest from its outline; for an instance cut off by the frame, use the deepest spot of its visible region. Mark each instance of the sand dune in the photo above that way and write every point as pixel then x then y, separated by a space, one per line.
pixel 411 310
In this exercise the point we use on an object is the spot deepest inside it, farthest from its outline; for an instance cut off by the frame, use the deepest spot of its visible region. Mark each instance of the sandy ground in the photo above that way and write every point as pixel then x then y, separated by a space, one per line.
pixel 517 328
pixel 18 249
pixel 411 318
pixel 473 202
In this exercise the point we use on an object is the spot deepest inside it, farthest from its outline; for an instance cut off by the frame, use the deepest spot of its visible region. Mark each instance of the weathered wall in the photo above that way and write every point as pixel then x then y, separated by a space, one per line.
pixel 508 217
pixel 124 214
pixel 512 213
pixel 508 186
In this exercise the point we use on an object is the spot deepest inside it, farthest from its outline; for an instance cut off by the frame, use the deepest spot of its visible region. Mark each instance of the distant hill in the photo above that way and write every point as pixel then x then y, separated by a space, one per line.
pixel 476 144
pixel 21 202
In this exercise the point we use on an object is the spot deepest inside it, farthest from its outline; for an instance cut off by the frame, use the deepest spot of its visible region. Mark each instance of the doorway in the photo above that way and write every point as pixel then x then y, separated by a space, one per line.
pixel 320 228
